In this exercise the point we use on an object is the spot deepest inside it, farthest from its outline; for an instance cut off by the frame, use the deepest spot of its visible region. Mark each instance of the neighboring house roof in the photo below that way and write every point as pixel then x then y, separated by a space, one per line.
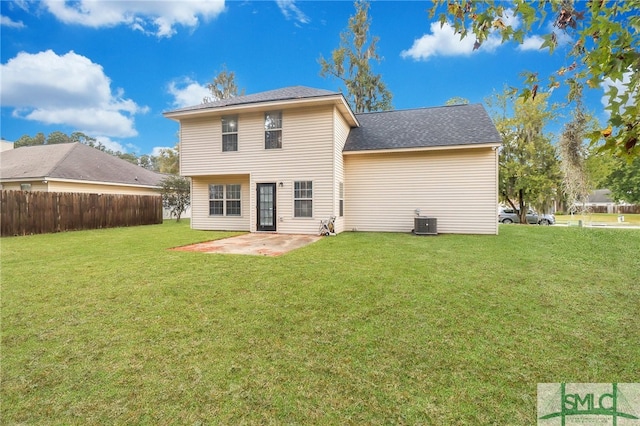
pixel 73 161
pixel 296 95
pixel 5 145
pixel 423 128
pixel 602 196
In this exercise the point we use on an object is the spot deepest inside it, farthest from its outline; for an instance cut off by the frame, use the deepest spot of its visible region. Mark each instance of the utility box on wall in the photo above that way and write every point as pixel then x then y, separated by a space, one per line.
pixel 425 226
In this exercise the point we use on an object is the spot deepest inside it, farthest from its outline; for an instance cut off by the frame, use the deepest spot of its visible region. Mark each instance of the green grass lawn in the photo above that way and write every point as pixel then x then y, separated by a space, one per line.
pixel 110 327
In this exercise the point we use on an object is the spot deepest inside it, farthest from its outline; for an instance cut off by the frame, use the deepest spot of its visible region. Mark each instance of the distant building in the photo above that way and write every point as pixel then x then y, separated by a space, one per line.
pixel 600 201
pixel 5 145
pixel 74 167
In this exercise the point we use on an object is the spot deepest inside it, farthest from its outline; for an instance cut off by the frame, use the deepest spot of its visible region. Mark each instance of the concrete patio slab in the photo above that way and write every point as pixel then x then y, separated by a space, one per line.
pixel 253 244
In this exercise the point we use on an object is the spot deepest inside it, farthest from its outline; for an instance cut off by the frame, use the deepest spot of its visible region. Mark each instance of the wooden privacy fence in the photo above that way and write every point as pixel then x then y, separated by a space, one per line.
pixel 24 213
pixel 615 209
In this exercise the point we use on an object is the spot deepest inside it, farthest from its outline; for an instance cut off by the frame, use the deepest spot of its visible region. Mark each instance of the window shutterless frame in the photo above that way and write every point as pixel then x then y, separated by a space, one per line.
pixel 225 200
pixel 303 198
pixel 273 130
pixel 230 133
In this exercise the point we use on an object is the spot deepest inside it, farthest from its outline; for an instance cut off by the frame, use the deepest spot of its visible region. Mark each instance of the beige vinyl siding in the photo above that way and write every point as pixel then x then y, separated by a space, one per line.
pixel 307 154
pixel 341 132
pixel 458 187
pixel 200 218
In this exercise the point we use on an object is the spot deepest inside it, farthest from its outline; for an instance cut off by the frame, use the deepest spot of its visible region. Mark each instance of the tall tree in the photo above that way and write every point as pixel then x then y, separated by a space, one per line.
pixel 457 100
pixel 126 156
pixel 599 166
pixel 573 154
pixel 604 52
pixel 26 140
pixel 57 137
pixel 529 171
pixel 624 181
pixel 82 138
pixel 149 162
pixel 169 160
pixel 176 196
pixel 351 63
pixel 223 86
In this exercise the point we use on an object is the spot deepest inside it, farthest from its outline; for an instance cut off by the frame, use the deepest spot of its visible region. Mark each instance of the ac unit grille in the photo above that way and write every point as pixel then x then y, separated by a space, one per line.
pixel 425 226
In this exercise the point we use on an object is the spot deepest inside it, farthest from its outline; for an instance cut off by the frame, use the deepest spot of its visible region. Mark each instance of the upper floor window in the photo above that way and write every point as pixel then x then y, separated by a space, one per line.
pixel 230 133
pixel 273 129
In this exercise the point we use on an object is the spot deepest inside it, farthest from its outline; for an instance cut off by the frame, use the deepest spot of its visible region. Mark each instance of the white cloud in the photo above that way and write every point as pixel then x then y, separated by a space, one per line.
pixel 5 21
pixel 291 11
pixel 157 150
pixel 68 90
pixel 531 43
pixel 443 41
pixel 111 144
pixel 151 17
pixel 535 41
pixel 622 88
pixel 187 92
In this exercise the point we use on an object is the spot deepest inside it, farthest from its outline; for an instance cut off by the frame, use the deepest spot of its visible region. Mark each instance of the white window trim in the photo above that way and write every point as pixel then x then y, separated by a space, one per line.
pixel 224 199
pixel 235 117
pixel 303 199
pixel 274 129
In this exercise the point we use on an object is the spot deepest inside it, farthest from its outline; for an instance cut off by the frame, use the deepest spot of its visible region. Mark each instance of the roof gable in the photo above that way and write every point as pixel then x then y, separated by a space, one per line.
pixel 446 126
pixel 73 161
pixel 288 97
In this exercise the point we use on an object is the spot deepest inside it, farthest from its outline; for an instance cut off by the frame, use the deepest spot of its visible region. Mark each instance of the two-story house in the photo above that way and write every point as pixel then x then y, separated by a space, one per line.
pixel 283 160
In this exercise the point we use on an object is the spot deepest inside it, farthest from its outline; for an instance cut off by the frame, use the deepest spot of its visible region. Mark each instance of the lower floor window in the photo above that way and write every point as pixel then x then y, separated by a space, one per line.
pixel 303 198
pixel 225 200
pixel 341 212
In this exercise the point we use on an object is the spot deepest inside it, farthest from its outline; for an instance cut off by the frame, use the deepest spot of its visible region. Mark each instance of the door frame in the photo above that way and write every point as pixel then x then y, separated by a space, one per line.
pixel 272 227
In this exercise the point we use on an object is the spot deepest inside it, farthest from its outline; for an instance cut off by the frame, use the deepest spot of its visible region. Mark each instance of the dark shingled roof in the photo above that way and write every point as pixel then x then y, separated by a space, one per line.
pixel 287 93
pixel 423 128
pixel 600 196
pixel 73 161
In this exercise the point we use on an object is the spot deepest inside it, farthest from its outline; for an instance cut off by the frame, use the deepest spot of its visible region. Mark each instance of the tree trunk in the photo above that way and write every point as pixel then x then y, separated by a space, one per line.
pixel 523 208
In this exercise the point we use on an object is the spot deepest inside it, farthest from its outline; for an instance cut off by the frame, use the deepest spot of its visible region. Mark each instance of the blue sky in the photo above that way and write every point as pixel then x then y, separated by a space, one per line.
pixel 111 68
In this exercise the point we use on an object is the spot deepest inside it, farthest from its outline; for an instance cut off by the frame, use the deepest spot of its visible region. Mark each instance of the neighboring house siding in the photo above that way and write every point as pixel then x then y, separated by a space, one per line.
pixel 35 185
pixel 99 189
pixel 458 187
pixel 91 188
pixel 307 153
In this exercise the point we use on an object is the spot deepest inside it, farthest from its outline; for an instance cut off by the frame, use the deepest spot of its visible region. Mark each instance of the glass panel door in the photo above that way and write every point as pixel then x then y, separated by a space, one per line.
pixel 266 206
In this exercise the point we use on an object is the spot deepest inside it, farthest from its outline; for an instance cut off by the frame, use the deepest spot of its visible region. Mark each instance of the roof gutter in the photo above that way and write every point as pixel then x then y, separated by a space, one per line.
pixel 78 181
pixel 493 145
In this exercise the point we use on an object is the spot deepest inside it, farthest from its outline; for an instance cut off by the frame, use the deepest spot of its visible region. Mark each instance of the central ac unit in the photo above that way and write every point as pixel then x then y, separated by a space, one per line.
pixel 425 226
